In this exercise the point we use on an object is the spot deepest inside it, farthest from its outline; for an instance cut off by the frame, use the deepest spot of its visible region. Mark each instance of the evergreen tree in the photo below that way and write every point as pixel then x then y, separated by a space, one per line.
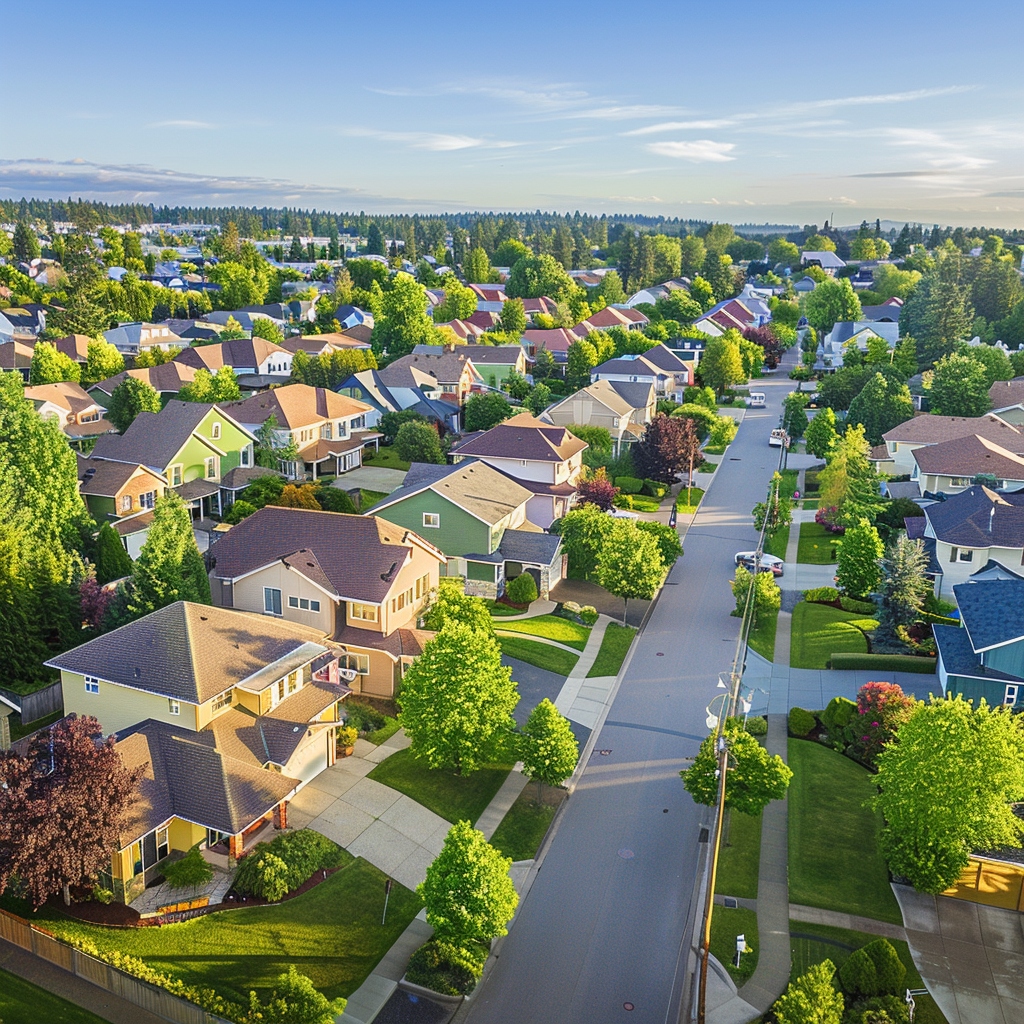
pixel 26 245
pixel 374 241
pixel 112 561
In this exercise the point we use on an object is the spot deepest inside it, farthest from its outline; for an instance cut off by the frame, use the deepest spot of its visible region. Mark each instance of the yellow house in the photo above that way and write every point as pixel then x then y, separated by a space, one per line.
pixel 230 713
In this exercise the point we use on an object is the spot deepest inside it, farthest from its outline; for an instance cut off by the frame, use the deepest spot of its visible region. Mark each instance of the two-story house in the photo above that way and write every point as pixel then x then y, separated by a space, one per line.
pixel 450 372
pixel 360 580
pixel 477 516
pixel 1007 398
pixel 123 495
pixel 190 444
pixel 166 380
pixel 544 458
pixel 16 356
pixel 328 429
pixel 231 713
pixel 80 417
pixel 952 466
pixel 246 356
pixel 983 658
pixel 659 366
pixel 131 339
pixel 496 363
pixel 928 428
pixel 422 397
pixel 623 409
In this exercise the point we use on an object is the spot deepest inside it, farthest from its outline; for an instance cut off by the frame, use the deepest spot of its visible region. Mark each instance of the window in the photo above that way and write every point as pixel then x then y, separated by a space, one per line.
pixel 163 846
pixel 423 586
pixel 522 462
pixel 958 481
pixel 365 612
pixel 173 706
pixel 90 417
pixel 126 503
pixel 293 680
pixel 432 519
pixel 314 606
pixel 92 684
pixel 1010 696
pixel 952 554
pixel 359 422
pixel 215 431
pixel 147 499
pixel 402 600
pixel 272 600
pixel 136 857
pixel 293 602
pixel 326 432
pixel 245 455
pixel 966 555
pixel 175 476
pixel 222 701
pixel 359 662
pixel 211 467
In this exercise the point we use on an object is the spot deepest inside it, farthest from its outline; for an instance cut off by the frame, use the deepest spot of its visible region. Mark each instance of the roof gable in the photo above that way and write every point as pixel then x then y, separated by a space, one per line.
pixel 992 612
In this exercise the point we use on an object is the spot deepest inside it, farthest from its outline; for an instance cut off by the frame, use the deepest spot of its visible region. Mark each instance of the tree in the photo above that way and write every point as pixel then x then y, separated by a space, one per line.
pixel 939 312
pixel 782 251
pixel 540 396
pixel 754 779
pixel 848 482
pixel 295 1000
pixel 510 252
pixel 629 564
pixel 391 423
pixel 819 243
pixel 597 490
pixel 51 366
pixel 547 747
pixel 766 597
pixel 459 301
pixel 721 366
pixel 418 442
pixel 402 321
pixel 128 399
pixel 811 999
pixel 859 572
pixel 832 301
pixel 457 700
pixel 580 360
pixel 264 327
pixel 584 531
pixel 62 808
pixel 702 293
pixel 839 389
pixel 516 386
pixel 513 316
pixel 374 241
pixel 297 496
pixel 820 435
pixel 233 331
pixel 112 561
pixel 103 361
pixel 776 512
pixel 26 245
pixel 468 893
pixel 794 418
pixel 610 289
pixel 271 452
pixel 959 387
pixel 534 276
pixel 477 267
pixel 452 604
pixel 669 445
pixel 904 580
pixel 931 829
pixel 692 254
pixel 485 411
pixel 190 872
pixel 881 405
pixel 995 361
pixel 239 285
pixel 996 287
pixel 670 547
pixel 169 567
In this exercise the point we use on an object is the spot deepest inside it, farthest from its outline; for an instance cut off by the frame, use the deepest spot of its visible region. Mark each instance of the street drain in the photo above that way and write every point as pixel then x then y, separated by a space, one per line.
pixel 730 903
pixel 627 1006
pixel 702 836
pixel 604 753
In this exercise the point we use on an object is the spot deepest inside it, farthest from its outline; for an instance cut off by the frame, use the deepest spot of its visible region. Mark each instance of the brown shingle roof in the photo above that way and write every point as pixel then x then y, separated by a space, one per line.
pixel 154 438
pixel 927 428
pixel 1005 393
pixel 445 368
pixel 968 456
pixel 167 377
pixel 238 352
pixel 15 355
pixel 105 479
pixel 295 405
pixel 524 437
pixel 74 346
pixel 402 643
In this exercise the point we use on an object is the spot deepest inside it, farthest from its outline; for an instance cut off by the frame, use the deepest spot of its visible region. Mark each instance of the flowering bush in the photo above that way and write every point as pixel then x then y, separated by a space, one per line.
pixel 829 518
pixel 882 708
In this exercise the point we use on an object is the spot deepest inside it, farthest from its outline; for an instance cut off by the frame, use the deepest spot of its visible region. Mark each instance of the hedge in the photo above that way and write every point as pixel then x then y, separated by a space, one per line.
pixel 655 488
pixel 851 604
pixel 629 484
pixel 884 662
pixel 942 620
pixel 821 595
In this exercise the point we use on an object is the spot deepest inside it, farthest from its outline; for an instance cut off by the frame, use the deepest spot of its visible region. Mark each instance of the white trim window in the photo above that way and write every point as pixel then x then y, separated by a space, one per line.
pixel 304 604
pixel 1010 694
pixel 965 555
pixel 432 520
pixel 222 701
pixel 147 499
pixel 362 612
pixel 215 431
pixel 176 475
pixel 359 662
pixel 271 601
pixel 92 684
pixel 211 467
pixel 173 706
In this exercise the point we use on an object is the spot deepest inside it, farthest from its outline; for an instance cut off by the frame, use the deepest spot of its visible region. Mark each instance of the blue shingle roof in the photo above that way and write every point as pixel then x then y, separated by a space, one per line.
pixel 992 611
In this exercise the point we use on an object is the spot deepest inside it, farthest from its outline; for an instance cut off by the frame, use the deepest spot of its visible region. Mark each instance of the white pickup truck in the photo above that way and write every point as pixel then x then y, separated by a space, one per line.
pixel 777 438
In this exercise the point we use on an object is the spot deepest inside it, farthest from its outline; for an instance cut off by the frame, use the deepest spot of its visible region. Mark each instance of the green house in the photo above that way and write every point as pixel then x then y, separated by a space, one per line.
pixel 191 444
pixel 476 515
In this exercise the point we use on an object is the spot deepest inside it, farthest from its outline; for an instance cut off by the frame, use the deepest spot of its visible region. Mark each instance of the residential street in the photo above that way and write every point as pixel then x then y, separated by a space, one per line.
pixel 603 923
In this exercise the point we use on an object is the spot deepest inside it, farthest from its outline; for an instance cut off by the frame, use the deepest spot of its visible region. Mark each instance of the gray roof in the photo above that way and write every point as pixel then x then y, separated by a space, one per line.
pixel 532 548
pixel 500 354
pixel 930 428
pixel 959 657
pixel 992 612
pixel 994 570
pixel 445 367
pixel 1006 393
pixel 240 477
pixel 104 479
pixel 979 518
pixel 523 437
pixel 154 438
pixel 635 394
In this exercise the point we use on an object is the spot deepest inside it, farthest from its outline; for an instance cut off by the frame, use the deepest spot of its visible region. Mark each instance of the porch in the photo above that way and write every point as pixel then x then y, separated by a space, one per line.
pixel 202 497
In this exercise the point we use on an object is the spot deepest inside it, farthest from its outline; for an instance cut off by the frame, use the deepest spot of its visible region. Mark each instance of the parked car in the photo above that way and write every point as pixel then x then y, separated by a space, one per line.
pixel 769 563
pixel 776 438
pixel 622 513
pixel 755 400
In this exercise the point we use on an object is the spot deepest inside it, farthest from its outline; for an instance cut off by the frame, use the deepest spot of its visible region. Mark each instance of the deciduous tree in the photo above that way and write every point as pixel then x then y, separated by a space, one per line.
pixel 547 747
pixel 597 490
pixel 820 435
pixel 960 387
pixel 859 571
pixel 584 531
pixel 629 564
pixel 721 366
pixel 832 301
pixel 402 321
pixel 452 604
pixel 418 442
pixel 811 999
pixel 485 411
pixel 669 445
pixel 103 361
pixel 51 366
pixel 128 399
pixel 881 405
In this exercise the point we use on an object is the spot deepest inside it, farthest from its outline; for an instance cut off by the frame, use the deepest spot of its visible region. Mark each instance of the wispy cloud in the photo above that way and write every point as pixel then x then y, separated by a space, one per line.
pixel 700 151
pixel 437 142
pixel 874 99
pixel 682 126
pixel 178 123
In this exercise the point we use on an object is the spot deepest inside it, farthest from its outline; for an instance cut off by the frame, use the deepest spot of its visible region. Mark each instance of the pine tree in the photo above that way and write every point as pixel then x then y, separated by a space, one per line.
pixel 112 561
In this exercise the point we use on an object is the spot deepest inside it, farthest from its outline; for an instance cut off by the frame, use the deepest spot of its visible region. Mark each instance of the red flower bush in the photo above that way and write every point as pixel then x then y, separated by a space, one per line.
pixel 882 708
pixel 829 519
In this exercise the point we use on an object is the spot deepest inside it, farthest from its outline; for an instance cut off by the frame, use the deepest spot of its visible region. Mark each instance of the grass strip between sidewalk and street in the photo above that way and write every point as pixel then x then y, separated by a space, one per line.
pixel 726 924
pixel 740 857
pixel 523 828
pixel 688 500
pixel 777 543
pixel 762 636
pixel 614 647
pixel 554 659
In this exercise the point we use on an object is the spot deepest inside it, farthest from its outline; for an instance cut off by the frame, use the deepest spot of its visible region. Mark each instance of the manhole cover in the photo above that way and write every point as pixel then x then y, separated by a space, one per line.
pixel 603 753
pixel 627 1006
pixel 659 654
pixel 626 854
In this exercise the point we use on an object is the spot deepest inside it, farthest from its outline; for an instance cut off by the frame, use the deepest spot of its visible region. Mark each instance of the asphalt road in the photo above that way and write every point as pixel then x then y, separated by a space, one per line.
pixel 602 926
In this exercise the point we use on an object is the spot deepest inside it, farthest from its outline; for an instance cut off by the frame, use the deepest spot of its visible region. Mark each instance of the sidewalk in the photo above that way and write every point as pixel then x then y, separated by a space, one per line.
pixel 582 700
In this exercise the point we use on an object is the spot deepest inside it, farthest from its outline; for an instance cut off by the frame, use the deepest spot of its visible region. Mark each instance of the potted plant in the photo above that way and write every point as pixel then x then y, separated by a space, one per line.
pixel 346 740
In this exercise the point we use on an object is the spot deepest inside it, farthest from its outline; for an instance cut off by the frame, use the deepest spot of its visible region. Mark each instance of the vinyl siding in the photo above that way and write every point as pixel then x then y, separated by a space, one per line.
pixel 459 533
pixel 118 707
pixel 248 595
pixel 1007 659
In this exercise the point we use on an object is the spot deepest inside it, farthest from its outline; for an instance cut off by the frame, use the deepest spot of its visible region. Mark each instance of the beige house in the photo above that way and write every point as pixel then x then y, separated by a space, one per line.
pixel 1007 397
pixel 360 580
pixel 80 417
pixel 623 408
pixel 951 467
pixel 927 428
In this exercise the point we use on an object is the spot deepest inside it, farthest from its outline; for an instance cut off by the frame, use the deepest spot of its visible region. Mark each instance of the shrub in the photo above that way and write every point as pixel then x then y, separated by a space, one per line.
pixel 624 501
pixel 303 853
pixel 629 484
pixel 851 604
pixel 881 708
pixel 883 662
pixel 873 970
pixel 655 488
pixel 822 595
pixel 588 614
pixel 446 968
pixel 757 725
pixel 838 716
pixel 190 872
pixel 346 736
pixel 363 717
pixel 522 589
pixel 571 606
pixel 267 876
pixel 878 1010
pixel 828 518
pixel 724 430
pixel 801 722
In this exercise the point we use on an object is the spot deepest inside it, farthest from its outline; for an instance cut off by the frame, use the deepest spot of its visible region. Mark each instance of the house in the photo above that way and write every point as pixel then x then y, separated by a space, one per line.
pixel 190 444
pixel 556 340
pixel 973 527
pixel 243 318
pixel 191 331
pixel 622 408
pixel 1007 398
pixel 328 429
pixel 804 285
pixel 284 312
pixel 358 579
pixel 689 350
pixel 649 296
pixel 368 387
pixel 845 333
pixel 983 658
pixel 496 363
pixel 28 318
pixel 828 261
pixel 123 495
pixel 78 414
pixel 235 481
pixel 477 516
pixel 449 372
pixel 489 297
pixel 541 305
pixel 952 466
pixel 738 314
pixel 246 356
pixel 75 347
pixel 351 316
pixel 483 319
pixel 230 712
pixel 546 459
pixel 617 316
pixel 929 428
pixel 659 366
pixel 16 356
pixel 887 312
pixel 361 332
pixel 130 339
pixel 166 380
pixel 322 344
pixel 462 329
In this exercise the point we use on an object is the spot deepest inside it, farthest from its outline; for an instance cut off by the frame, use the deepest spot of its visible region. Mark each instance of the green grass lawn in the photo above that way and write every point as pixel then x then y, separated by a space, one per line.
pixel 21 1002
pixel 834 861
pixel 386 458
pixel 740 856
pixel 552 627
pixel 18 730
pixel 776 545
pixel 522 830
pixel 725 926
pixel 812 943
pixel 639 503
pixel 762 636
pixel 707 466
pixel 385 732
pixel 789 479
pixel 554 659
pixel 367 499
pixel 612 651
pixel 688 500
pixel 715 449
pixel 819 631
pixel 496 609
pixel 817 545
pixel 811 504
pixel 332 934
pixel 454 797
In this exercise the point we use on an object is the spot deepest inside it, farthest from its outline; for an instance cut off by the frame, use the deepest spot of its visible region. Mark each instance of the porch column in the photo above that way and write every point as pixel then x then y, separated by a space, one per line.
pixel 281 815
pixel 235 844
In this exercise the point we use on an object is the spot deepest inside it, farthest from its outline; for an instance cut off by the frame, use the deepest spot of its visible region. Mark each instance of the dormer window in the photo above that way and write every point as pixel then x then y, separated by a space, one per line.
pixel 215 431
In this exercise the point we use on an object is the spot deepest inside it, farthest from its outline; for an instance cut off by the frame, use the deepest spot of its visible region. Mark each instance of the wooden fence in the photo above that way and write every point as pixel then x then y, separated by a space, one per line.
pixel 156 1000
pixel 996 883
pixel 34 706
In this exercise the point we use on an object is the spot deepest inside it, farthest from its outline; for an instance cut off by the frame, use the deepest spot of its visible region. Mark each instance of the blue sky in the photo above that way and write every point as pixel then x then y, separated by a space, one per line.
pixel 742 112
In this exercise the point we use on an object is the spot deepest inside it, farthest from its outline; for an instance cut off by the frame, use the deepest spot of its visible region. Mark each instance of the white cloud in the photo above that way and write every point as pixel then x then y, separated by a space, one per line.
pixel 681 126
pixel 874 99
pixel 701 151
pixel 437 142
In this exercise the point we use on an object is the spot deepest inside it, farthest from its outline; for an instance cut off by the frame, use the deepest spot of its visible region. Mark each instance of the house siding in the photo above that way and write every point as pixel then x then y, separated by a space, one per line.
pixel 118 707
pixel 991 691
pixel 248 594
pixel 954 573
pixel 459 533
pixel 1008 659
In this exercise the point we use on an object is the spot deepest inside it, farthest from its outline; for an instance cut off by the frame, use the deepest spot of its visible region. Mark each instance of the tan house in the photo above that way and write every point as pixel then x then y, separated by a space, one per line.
pixel 928 428
pixel 358 579
pixel 1007 398
pixel 622 408
pixel 80 417
pixel 448 371
pixel 951 467
pixel 230 712
pixel 122 494
pixel 166 380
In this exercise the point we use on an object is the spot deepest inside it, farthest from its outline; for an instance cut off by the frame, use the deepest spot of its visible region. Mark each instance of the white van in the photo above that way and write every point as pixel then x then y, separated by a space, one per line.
pixel 755 400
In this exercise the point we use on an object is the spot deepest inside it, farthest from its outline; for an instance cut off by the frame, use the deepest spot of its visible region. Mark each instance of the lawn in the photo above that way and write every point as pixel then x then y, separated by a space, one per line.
pixel 777 543
pixel 834 861
pixel 811 504
pixel 725 926
pixel 497 609
pixel 332 934
pixel 613 650
pixel 21 1002
pixel 819 631
pixel 386 458
pixel 454 797
pixel 707 466
pixel 367 499
pixel 522 830
pixel 552 627
pixel 18 730
pixel 554 659
pixel 715 449
pixel 762 636
pixel 385 732
pixel 639 503
pixel 688 500
pixel 740 856
pixel 812 943
pixel 817 545
pixel 789 479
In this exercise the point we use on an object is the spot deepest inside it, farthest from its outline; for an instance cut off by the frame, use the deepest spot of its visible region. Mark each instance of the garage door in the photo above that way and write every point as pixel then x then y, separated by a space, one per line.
pixel 310 761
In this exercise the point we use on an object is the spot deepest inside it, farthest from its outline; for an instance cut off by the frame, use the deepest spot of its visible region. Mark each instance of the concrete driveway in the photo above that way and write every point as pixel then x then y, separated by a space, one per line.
pixel 371 478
